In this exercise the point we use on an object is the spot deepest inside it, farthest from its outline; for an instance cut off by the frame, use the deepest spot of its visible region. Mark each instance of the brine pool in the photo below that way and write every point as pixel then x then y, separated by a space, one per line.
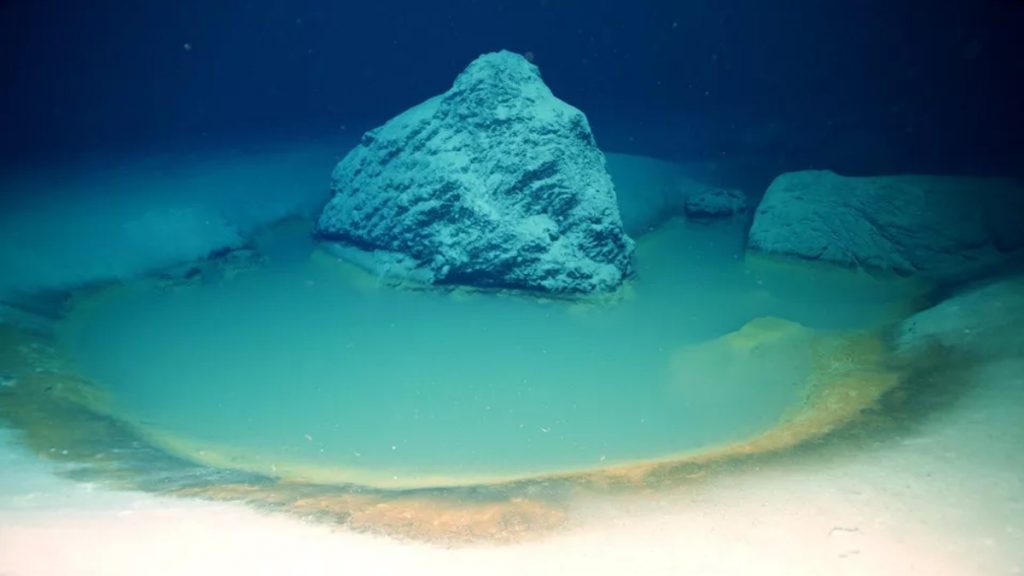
pixel 301 367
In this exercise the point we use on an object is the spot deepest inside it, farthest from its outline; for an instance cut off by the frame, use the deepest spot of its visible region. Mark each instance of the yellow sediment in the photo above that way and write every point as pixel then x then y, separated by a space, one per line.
pixel 435 519
pixel 58 413
pixel 850 374
pixel 61 415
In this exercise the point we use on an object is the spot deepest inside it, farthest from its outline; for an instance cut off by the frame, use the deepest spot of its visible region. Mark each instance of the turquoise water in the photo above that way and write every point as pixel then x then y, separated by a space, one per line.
pixel 307 367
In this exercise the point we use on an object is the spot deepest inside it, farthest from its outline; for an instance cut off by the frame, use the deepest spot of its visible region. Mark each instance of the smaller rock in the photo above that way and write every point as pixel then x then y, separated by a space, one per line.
pixel 715 204
pixel 939 228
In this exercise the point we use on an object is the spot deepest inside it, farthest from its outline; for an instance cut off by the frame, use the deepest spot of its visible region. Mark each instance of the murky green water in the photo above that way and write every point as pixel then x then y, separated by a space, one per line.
pixel 307 368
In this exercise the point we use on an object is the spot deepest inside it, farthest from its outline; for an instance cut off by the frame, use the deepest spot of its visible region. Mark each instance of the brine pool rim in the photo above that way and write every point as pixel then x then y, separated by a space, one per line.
pixel 209 481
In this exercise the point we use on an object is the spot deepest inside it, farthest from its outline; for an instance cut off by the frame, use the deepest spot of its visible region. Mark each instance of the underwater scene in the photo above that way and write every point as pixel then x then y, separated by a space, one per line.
pixel 490 287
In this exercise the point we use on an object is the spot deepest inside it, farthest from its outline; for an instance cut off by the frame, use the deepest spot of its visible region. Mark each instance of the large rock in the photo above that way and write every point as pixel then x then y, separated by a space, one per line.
pixel 933 226
pixel 494 183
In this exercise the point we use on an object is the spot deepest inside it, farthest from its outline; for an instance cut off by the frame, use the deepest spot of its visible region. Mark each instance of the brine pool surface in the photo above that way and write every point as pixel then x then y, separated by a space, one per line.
pixel 305 367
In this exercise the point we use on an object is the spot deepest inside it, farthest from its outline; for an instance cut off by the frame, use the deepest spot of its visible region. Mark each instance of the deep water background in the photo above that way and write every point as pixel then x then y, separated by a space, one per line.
pixel 874 86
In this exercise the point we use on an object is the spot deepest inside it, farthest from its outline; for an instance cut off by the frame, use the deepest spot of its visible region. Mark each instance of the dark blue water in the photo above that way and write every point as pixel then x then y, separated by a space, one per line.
pixel 867 87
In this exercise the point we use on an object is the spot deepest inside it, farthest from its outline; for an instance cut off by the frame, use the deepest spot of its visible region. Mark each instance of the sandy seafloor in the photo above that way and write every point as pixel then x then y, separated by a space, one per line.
pixel 942 495
pixel 947 498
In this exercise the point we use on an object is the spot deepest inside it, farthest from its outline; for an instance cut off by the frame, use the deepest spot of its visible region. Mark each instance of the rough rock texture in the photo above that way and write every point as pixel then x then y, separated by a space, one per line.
pixel 494 183
pixel 933 226
pixel 715 204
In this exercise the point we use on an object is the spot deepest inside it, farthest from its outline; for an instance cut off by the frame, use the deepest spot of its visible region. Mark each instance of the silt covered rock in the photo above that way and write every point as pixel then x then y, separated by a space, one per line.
pixel 495 183
pixel 936 227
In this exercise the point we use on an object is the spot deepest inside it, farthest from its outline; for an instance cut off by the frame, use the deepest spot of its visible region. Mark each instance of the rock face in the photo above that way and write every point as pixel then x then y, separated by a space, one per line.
pixel 715 204
pixel 933 226
pixel 494 183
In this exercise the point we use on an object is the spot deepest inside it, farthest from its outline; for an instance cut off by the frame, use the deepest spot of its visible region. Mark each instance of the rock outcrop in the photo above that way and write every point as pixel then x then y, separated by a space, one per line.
pixel 936 227
pixel 495 183
pixel 715 204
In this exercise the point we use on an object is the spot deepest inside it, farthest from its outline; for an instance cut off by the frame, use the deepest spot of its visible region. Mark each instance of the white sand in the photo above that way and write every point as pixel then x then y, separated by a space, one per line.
pixel 946 499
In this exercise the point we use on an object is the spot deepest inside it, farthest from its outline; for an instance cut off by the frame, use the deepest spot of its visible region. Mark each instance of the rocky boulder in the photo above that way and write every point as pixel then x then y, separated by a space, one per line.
pixel 495 183
pixel 937 227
